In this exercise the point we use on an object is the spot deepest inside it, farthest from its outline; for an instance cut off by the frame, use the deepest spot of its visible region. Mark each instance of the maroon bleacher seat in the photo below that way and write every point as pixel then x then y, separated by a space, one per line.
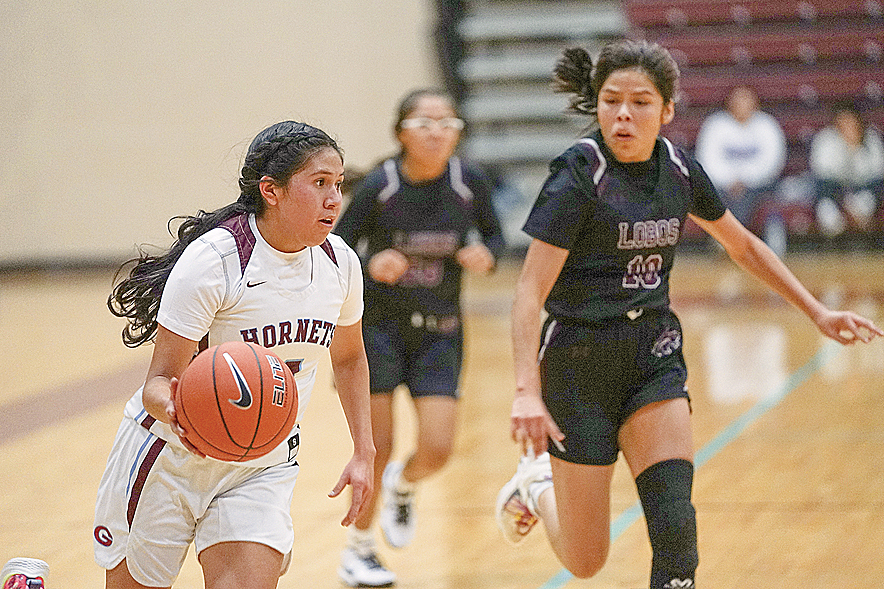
pixel 808 85
pixel 738 46
pixel 663 13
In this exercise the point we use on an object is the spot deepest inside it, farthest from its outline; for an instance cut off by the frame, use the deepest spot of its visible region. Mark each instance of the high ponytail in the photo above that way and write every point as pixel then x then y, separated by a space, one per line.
pixel 576 74
pixel 277 152
pixel 573 75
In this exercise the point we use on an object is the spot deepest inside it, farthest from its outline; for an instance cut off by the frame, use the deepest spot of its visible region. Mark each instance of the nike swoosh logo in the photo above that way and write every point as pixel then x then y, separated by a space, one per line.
pixel 254 284
pixel 245 395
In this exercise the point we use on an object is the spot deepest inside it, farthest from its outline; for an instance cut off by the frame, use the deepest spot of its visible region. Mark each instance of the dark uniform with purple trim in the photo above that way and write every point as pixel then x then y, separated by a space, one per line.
pixel 611 343
pixel 413 331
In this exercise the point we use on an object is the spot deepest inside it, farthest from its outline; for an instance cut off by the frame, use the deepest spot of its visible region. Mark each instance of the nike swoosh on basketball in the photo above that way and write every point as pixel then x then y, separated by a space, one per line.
pixel 253 284
pixel 245 395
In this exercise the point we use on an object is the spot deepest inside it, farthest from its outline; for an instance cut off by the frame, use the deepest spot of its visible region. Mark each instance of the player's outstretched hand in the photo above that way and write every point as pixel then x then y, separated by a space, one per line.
pixel 357 474
pixel 847 327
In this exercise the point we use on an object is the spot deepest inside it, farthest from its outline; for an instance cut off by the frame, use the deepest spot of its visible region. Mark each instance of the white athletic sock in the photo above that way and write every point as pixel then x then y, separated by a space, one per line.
pixel 535 489
pixel 403 486
pixel 361 541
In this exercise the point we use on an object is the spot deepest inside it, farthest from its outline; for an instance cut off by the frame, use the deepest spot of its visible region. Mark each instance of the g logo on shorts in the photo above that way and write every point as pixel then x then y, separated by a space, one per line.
pixel 103 536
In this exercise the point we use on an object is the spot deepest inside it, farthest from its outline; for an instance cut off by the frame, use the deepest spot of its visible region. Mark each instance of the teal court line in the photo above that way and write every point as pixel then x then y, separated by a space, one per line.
pixel 730 433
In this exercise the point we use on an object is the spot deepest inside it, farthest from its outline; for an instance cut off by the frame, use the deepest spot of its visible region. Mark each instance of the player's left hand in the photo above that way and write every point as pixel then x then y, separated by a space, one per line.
pixel 475 258
pixel 357 474
pixel 846 327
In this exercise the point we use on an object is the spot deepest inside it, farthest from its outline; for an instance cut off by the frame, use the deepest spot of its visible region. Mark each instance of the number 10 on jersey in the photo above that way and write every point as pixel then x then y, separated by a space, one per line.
pixel 643 272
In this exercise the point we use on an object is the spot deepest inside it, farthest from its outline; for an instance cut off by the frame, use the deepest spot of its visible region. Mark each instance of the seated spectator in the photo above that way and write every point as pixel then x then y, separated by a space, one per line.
pixel 743 150
pixel 847 164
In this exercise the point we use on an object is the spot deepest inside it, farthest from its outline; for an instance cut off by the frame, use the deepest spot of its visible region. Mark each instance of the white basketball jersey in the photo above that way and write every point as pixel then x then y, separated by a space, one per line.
pixel 231 285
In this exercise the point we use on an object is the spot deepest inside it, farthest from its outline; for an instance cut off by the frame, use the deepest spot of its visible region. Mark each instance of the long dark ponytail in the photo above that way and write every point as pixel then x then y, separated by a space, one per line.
pixel 278 152
pixel 574 73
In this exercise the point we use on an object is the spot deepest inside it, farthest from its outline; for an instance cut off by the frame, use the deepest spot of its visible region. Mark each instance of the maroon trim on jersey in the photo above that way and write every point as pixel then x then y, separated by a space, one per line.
pixel 148 421
pixel 327 248
pixel 143 471
pixel 245 239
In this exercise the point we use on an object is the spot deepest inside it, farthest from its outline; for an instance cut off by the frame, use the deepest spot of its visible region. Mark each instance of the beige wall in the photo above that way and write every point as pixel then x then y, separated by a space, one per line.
pixel 117 115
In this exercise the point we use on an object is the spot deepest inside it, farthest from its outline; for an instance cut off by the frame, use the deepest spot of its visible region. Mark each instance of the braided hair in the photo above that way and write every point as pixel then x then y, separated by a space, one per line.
pixel 573 73
pixel 277 152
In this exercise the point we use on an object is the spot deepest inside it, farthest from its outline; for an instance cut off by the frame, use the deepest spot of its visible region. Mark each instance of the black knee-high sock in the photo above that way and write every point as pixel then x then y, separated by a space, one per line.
pixel 665 493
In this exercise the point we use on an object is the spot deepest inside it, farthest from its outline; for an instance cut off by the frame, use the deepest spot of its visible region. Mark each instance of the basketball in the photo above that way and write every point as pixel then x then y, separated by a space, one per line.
pixel 237 401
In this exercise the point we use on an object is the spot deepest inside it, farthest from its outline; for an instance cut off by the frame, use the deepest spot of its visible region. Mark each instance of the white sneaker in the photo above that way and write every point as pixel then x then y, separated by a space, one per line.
pixel 397 514
pixel 516 510
pixel 364 570
pixel 25 572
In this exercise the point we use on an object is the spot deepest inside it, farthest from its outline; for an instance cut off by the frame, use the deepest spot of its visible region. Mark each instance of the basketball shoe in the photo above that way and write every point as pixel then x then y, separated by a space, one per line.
pixel 397 514
pixel 361 568
pixel 24 573
pixel 516 509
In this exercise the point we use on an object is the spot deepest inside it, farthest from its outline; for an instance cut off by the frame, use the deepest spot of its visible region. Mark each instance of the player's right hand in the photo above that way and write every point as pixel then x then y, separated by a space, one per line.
pixel 387 266
pixel 531 425
pixel 177 428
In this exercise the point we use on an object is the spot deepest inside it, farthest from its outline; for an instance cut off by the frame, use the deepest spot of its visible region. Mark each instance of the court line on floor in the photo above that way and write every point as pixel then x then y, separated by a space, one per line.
pixel 27 415
pixel 730 433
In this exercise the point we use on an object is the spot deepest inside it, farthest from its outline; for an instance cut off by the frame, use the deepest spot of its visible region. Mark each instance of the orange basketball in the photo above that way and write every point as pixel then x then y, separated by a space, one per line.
pixel 237 401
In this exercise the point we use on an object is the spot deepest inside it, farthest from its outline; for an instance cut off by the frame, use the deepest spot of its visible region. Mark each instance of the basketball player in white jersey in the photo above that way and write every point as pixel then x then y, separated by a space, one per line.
pixel 264 270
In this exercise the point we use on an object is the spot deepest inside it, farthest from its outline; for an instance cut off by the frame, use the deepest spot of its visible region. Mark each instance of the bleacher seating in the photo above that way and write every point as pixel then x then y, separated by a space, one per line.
pixel 516 124
pixel 801 57
pixel 780 83
pixel 682 13
pixel 750 47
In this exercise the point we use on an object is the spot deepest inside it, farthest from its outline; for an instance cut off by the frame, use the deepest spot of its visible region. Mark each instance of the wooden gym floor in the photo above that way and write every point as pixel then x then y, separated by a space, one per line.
pixel 789 432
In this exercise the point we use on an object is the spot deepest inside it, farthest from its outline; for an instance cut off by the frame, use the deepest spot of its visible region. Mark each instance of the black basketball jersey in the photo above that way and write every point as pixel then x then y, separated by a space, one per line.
pixel 620 223
pixel 428 223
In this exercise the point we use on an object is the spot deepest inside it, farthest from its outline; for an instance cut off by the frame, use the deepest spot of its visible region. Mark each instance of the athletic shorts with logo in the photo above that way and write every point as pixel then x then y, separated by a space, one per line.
pixel 594 376
pixel 156 498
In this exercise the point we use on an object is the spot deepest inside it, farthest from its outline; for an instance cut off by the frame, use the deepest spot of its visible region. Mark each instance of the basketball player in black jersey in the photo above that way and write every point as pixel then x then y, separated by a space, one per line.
pixel 418 220
pixel 611 374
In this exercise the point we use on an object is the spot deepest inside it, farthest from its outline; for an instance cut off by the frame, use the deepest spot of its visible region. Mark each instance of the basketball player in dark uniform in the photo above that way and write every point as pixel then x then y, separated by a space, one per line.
pixel 610 375
pixel 418 221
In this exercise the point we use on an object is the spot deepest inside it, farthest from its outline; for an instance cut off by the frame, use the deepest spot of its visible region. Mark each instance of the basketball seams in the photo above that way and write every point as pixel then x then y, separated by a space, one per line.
pixel 181 410
pixel 290 389
pixel 239 457
pixel 257 427
pixel 220 406
pixel 192 429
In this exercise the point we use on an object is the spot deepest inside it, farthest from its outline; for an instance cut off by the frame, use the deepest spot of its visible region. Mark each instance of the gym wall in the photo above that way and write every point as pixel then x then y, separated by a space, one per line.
pixel 120 115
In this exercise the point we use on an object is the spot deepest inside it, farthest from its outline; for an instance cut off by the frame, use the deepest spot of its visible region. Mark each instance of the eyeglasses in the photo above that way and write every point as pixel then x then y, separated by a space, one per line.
pixel 426 123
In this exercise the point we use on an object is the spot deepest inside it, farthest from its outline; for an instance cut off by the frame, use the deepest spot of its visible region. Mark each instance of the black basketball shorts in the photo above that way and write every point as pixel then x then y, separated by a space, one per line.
pixel 595 376
pixel 426 355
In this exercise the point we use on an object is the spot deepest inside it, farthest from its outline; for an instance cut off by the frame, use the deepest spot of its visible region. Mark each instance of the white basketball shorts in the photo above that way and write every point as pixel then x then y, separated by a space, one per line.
pixel 155 499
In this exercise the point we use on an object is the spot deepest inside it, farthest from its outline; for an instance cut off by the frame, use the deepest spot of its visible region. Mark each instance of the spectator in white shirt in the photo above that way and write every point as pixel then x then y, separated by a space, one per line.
pixel 847 164
pixel 743 150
